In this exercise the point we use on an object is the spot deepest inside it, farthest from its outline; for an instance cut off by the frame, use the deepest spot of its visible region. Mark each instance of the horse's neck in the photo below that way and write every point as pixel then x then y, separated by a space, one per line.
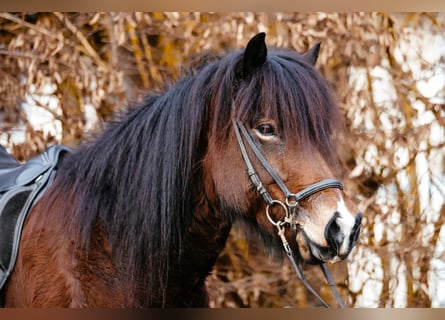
pixel 207 237
pixel 204 241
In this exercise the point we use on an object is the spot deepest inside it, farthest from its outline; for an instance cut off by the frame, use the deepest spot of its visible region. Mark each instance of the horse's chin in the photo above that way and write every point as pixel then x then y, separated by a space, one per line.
pixel 322 254
pixel 312 253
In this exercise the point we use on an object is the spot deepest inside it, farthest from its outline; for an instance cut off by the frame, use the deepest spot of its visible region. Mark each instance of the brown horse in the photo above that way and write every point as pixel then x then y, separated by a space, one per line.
pixel 138 216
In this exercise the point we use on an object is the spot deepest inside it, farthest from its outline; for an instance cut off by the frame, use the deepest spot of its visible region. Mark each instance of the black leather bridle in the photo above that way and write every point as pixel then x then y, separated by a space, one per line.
pixel 289 206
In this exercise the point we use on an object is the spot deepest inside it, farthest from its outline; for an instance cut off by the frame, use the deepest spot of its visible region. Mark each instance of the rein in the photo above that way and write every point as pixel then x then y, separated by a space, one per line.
pixel 289 207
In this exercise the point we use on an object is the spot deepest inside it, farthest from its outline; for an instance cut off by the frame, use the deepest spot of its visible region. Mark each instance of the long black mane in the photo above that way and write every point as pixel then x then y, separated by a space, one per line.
pixel 141 179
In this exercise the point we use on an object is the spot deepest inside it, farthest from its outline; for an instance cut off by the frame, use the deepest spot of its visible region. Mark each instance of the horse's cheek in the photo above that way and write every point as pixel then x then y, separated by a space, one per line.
pixel 226 177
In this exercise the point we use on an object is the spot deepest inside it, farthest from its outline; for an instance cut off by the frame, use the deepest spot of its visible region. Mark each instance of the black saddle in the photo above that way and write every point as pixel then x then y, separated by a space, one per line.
pixel 21 185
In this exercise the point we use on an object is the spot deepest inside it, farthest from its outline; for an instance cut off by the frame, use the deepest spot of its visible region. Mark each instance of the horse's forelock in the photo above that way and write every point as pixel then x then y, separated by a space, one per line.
pixel 289 90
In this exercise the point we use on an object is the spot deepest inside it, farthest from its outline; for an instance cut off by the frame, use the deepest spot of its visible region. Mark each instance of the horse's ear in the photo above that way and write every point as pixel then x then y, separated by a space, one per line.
pixel 312 54
pixel 254 56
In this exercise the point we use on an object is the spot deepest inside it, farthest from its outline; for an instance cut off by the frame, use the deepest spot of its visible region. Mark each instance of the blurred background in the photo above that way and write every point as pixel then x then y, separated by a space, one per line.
pixel 62 74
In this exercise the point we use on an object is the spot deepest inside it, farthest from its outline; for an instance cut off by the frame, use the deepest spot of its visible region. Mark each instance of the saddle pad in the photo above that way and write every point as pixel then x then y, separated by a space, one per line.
pixel 16 202
pixel 6 160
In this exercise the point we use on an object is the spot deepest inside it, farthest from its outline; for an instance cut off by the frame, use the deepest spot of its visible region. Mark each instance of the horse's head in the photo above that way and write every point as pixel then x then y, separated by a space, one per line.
pixel 271 157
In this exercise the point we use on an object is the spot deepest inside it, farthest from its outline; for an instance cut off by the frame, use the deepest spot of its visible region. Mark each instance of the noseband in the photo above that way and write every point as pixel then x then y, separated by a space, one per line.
pixel 289 206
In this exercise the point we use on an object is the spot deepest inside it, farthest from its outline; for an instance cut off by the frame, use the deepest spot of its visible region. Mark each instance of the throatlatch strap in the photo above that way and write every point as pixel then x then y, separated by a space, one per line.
pixel 250 169
pixel 263 161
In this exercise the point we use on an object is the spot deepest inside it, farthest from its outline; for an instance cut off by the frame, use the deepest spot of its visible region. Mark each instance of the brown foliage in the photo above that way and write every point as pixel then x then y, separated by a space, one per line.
pixel 375 61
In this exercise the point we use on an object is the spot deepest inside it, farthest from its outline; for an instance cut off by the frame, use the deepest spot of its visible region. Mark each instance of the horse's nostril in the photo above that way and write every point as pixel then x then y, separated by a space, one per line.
pixel 333 233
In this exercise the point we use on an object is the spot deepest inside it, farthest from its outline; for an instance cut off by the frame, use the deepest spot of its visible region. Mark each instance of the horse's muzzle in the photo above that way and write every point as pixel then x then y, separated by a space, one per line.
pixel 340 239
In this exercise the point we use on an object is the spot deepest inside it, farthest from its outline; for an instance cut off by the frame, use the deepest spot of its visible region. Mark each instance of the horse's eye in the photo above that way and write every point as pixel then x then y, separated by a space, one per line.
pixel 266 129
